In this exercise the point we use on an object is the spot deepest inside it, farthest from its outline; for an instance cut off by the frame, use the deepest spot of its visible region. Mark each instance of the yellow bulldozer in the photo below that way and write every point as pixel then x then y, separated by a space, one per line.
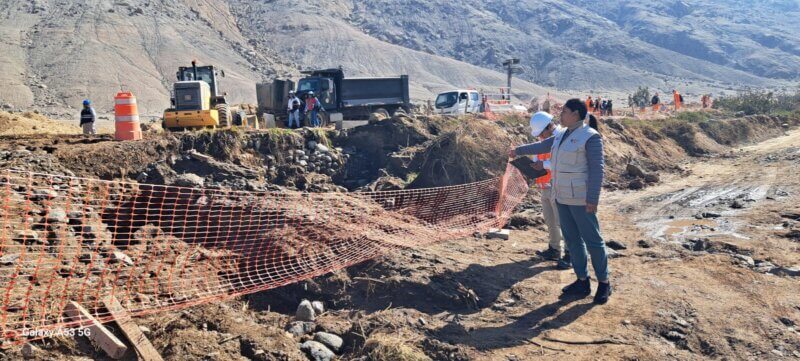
pixel 197 102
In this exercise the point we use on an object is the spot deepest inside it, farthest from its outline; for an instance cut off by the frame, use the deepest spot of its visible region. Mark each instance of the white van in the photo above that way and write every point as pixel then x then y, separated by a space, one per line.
pixel 459 101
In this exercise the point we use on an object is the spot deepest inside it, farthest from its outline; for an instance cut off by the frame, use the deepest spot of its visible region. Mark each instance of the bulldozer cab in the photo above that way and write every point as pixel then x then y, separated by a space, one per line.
pixel 203 73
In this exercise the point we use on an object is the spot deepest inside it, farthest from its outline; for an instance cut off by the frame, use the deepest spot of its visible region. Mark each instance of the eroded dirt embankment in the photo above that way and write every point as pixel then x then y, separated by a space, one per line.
pixel 718 287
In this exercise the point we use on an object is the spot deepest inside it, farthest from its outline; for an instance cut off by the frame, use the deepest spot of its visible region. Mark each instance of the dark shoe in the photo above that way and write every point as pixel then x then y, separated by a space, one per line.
pixel 564 263
pixel 603 293
pixel 549 254
pixel 579 288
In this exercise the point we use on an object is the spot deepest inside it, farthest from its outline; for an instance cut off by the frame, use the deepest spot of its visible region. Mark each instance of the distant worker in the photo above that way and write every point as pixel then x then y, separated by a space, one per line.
pixel 88 118
pixel 589 103
pixel 655 102
pixel 603 107
pixel 706 101
pixel 678 99
pixel 313 107
pixel 546 104
pixel 542 127
pixel 596 109
pixel 609 108
pixel 293 107
pixel 534 106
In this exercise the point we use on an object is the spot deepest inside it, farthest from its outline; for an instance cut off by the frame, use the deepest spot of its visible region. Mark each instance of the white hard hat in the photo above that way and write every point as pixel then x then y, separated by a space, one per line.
pixel 540 121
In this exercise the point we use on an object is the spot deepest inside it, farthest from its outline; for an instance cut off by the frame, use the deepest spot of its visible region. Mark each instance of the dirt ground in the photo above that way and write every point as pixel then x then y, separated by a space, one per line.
pixel 669 302
pixel 736 296
pixel 711 271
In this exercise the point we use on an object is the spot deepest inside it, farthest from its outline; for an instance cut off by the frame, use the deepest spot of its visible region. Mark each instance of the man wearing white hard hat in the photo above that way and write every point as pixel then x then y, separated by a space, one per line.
pixel 542 127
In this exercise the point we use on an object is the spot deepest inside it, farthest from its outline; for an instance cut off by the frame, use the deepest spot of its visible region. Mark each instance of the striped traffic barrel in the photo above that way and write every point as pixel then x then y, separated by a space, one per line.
pixel 126 117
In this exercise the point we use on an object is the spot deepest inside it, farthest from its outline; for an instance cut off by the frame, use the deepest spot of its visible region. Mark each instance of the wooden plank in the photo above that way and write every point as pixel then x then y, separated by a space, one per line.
pixel 143 347
pixel 112 346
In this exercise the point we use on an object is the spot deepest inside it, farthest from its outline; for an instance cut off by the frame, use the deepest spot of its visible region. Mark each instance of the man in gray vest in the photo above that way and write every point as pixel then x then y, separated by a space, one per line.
pixel 88 118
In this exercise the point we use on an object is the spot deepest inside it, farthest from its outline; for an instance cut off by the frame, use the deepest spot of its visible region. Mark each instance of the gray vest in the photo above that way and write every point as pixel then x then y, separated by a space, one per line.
pixel 569 166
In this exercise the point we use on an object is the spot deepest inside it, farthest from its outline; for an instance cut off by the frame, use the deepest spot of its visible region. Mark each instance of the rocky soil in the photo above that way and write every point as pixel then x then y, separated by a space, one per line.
pixel 702 220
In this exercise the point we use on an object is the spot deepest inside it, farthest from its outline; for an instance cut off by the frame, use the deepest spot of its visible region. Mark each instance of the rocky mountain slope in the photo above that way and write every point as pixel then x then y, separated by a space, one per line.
pixel 57 52
pixel 578 44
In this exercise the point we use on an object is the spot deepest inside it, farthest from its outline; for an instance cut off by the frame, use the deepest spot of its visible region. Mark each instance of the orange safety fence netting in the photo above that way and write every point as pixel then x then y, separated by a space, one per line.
pixel 157 248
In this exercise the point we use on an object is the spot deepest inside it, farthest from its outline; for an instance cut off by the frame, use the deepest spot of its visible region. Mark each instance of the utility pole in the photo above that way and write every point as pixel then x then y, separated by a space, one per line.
pixel 511 69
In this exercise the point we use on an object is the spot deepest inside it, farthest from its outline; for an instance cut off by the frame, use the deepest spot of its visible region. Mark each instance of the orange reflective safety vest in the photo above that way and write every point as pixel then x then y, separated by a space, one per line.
pixel 543 181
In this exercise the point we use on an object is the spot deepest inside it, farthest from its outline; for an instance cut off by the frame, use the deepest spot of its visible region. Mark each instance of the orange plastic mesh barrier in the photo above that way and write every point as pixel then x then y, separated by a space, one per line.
pixel 156 248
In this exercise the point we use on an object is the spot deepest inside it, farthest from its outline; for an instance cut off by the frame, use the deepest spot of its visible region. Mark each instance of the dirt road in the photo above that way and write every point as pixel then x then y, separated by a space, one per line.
pixel 707 273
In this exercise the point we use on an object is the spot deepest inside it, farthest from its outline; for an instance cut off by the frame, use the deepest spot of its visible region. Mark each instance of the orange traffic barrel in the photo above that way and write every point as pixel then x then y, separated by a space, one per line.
pixel 126 117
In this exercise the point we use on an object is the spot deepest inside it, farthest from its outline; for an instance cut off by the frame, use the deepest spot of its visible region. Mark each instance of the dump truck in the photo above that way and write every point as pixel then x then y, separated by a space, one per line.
pixel 342 98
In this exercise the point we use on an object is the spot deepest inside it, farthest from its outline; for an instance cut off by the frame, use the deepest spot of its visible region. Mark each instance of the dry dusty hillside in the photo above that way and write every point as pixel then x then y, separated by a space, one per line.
pixel 57 52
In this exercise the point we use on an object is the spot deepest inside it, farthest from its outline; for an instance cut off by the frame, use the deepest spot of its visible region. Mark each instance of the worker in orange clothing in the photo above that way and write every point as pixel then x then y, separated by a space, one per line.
pixel 656 103
pixel 678 99
pixel 589 103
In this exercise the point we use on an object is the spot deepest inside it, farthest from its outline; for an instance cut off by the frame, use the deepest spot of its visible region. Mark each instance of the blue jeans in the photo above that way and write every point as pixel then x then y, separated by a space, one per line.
pixel 314 118
pixel 581 230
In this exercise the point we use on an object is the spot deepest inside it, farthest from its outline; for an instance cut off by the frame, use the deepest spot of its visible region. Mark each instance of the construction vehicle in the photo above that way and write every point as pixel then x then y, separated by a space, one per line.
pixel 463 101
pixel 343 98
pixel 197 101
pixel 458 102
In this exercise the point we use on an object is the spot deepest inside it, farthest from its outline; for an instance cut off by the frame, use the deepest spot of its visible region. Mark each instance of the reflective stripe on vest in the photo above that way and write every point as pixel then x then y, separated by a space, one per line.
pixel 86 116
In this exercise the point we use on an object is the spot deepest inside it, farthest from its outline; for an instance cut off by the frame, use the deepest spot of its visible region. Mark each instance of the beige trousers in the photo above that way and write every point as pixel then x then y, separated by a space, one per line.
pixel 89 129
pixel 551 219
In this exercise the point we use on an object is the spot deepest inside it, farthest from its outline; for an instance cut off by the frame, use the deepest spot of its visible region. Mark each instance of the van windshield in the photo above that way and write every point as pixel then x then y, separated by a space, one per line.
pixel 446 100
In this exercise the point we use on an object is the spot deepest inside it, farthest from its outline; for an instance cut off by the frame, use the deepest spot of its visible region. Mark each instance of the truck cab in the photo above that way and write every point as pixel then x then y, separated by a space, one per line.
pixel 323 84
pixel 458 101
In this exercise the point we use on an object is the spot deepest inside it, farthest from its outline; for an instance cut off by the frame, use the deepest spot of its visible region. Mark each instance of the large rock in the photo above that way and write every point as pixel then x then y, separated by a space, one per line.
pixel 27 236
pixel 524 220
pixel 317 351
pixel 652 178
pixel 635 171
pixel 29 351
pixel 616 245
pixel 784 271
pixel 300 328
pixel 636 184
pixel 322 149
pixel 9 259
pixel 57 215
pixel 318 306
pixel 305 312
pixel 189 180
pixel 330 340
pixel 43 194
